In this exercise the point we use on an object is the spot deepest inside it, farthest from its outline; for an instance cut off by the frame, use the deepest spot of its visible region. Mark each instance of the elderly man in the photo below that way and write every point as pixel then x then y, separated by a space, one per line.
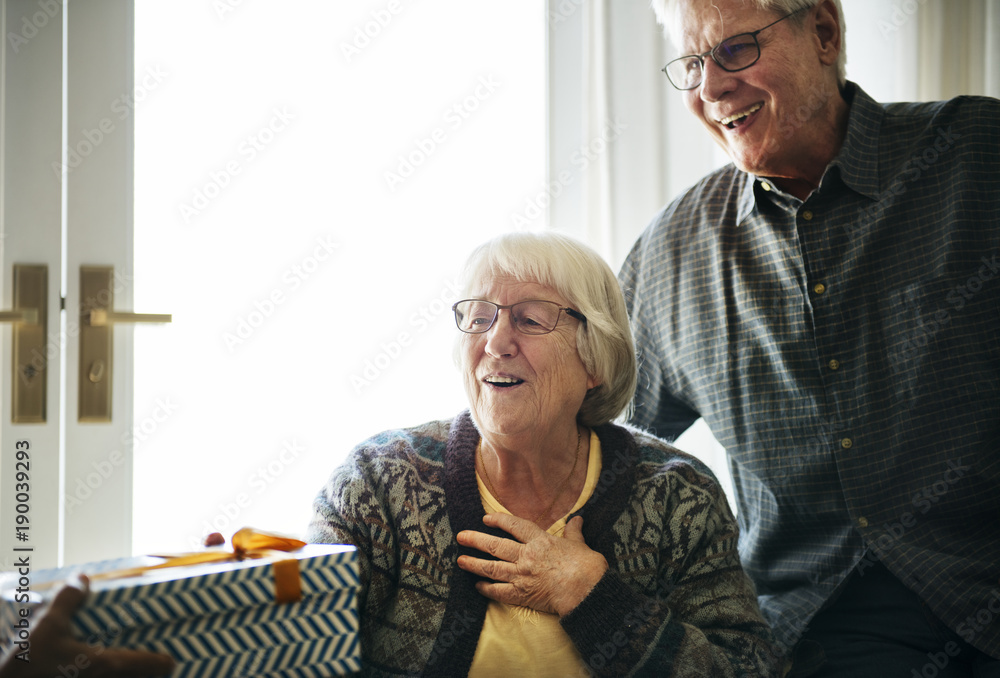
pixel 830 304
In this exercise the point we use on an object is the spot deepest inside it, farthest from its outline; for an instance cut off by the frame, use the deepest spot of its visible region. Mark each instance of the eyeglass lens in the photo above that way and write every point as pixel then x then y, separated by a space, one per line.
pixel 733 54
pixel 529 317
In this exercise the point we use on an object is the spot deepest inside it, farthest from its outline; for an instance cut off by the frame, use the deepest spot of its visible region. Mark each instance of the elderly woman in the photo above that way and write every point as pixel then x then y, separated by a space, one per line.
pixel 529 535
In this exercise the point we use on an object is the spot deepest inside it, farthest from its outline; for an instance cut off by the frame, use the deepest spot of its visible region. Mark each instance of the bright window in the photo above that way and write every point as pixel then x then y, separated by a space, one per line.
pixel 309 176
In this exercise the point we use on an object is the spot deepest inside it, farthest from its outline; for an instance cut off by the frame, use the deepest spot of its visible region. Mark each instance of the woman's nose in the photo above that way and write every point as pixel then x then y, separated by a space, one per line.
pixel 501 339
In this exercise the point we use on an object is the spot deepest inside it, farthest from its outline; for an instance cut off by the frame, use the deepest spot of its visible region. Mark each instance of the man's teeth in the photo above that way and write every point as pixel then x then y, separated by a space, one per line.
pixel 503 380
pixel 733 118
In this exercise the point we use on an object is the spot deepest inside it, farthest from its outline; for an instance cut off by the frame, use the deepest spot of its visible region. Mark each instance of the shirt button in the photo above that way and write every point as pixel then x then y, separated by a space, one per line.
pixel 766 186
pixel 820 288
pixel 846 443
pixel 862 522
pixel 834 364
pixel 807 215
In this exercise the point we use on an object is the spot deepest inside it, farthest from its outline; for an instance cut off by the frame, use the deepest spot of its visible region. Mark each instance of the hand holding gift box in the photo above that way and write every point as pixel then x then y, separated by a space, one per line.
pixel 51 650
pixel 272 607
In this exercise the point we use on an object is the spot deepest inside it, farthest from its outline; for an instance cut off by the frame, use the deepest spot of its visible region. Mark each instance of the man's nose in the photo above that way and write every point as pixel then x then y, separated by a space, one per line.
pixel 715 80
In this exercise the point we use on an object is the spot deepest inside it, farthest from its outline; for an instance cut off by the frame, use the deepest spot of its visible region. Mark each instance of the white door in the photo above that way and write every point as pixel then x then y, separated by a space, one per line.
pixel 307 179
pixel 67 187
pixel 30 197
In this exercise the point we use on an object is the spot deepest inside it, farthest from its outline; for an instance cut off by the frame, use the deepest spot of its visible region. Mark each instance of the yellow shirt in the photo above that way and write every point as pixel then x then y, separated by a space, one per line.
pixel 518 640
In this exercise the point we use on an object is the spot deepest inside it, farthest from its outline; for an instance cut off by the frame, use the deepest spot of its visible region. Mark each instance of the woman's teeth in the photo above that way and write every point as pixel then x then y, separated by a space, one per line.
pixel 502 381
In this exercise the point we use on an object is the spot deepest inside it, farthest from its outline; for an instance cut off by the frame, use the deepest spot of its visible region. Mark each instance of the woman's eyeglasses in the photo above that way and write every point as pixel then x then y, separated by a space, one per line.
pixel 475 316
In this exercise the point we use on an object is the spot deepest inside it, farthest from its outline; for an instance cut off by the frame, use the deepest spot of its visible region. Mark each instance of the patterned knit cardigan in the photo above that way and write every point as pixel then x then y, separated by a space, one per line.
pixel 674 602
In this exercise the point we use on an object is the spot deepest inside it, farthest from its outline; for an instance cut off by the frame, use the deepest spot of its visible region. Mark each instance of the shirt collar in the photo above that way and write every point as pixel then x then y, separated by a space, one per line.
pixel 858 157
pixel 857 161
pixel 747 200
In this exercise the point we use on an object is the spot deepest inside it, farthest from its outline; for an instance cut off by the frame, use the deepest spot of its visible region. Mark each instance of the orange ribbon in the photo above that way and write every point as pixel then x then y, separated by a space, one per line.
pixel 247 543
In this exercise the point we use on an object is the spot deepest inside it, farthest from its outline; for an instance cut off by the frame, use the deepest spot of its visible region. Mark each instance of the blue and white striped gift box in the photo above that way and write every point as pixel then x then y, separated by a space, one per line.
pixel 220 619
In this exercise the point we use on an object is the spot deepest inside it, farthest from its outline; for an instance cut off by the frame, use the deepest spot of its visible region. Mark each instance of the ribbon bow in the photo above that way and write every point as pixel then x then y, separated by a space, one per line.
pixel 247 543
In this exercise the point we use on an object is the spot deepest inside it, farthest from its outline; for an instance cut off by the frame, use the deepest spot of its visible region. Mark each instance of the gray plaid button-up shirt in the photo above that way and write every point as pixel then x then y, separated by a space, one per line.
pixel 846 352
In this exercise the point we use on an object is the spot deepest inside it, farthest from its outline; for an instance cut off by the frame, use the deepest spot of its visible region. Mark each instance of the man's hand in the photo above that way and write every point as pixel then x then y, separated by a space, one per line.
pixel 546 573
pixel 53 650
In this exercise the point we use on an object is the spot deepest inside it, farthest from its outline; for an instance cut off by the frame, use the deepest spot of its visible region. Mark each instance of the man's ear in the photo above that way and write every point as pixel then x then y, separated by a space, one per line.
pixel 829 36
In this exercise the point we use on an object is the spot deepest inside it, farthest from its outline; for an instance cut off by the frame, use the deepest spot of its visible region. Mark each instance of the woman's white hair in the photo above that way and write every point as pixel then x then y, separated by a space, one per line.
pixel 586 282
pixel 665 11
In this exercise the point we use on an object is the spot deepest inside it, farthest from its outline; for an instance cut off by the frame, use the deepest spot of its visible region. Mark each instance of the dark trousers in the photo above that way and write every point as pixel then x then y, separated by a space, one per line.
pixel 878 628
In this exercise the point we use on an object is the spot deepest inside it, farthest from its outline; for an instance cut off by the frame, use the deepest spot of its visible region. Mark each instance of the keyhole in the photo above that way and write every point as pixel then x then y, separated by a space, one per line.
pixel 96 373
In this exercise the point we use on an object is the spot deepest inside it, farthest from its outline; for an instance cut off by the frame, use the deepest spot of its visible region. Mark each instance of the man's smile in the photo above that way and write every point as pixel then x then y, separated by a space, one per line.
pixel 736 119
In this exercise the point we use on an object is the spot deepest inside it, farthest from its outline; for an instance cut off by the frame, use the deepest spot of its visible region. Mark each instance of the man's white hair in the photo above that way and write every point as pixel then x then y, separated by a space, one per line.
pixel 666 16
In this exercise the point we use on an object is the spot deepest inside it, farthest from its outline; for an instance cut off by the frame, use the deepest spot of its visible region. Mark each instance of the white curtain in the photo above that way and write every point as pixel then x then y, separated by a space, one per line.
pixel 960 49
pixel 620 141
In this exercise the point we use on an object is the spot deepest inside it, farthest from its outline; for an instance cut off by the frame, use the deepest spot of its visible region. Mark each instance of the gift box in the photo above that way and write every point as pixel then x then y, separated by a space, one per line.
pixel 268 614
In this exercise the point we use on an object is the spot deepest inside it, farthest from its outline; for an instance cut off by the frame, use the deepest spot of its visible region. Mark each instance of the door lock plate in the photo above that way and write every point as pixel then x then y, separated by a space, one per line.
pixel 28 388
pixel 97 292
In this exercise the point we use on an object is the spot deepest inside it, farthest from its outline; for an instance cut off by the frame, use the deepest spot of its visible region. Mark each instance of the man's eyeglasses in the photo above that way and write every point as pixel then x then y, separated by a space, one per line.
pixel 732 54
pixel 476 316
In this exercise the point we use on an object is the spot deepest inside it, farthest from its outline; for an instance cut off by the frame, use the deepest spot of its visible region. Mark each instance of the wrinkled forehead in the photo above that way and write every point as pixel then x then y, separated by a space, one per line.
pixel 506 289
pixel 698 25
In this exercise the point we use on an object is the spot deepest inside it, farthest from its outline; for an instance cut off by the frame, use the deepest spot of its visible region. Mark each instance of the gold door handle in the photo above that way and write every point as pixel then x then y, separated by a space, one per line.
pixel 29 332
pixel 28 316
pixel 100 317
pixel 94 376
